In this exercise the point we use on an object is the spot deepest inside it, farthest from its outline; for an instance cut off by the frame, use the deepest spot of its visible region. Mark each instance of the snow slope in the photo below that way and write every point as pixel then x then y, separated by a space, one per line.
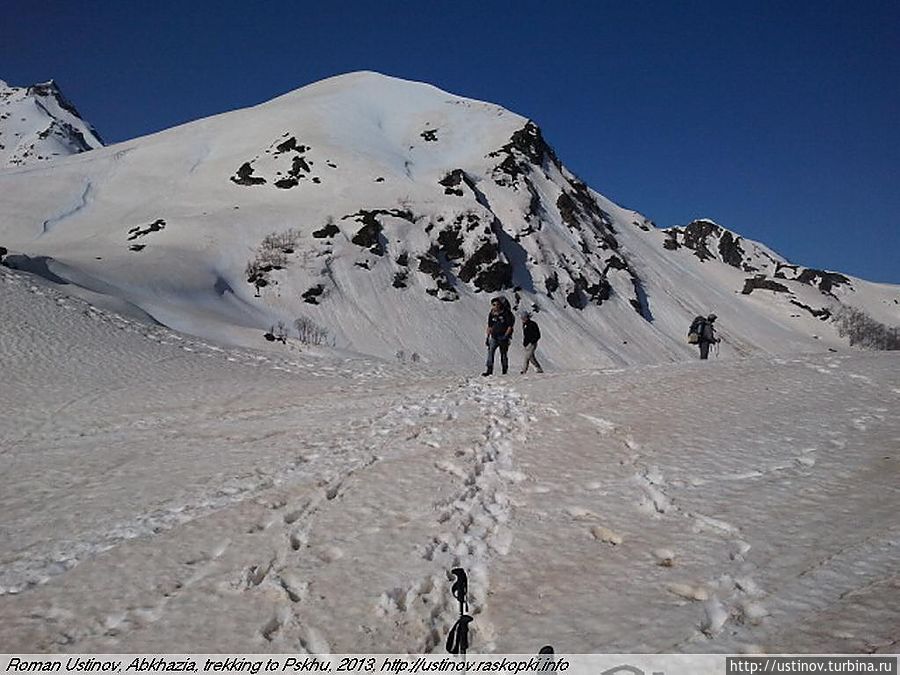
pixel 387 213
pixel 38 124
pixel 164 494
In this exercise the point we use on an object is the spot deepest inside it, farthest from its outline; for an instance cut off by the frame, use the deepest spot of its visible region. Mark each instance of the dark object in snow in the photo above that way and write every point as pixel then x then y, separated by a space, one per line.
pixel 312 295
pixel 155 226
pixel 245 176
pixel 327 231
pixel 751 285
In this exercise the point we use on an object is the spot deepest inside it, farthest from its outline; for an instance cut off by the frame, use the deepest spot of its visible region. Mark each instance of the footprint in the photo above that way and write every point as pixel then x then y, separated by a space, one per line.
pixel 688 591
pixel 752 612
pixel 604 427
pixel 714 524
pixel 714 619
pixel 254 576
pixel 665 557
pixel 295 589
pixel 579 513
pixel 329 554
pixel 606 535
pixel 275 624
pixel 451 468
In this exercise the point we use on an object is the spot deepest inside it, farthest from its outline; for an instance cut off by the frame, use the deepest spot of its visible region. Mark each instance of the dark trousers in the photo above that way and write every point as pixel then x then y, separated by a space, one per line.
pixel 503 346
pixel 704 349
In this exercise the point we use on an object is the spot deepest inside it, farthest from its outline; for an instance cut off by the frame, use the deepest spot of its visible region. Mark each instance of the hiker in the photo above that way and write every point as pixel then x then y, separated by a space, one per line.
pixel 706 334
pixel 531 335
pixel 499 332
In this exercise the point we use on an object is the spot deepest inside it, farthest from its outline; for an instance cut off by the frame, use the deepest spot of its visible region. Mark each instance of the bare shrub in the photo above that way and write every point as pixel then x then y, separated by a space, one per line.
pixel 277 332
pixel 273 259
pixel 309 332
pixel 284 242
pixel 864 331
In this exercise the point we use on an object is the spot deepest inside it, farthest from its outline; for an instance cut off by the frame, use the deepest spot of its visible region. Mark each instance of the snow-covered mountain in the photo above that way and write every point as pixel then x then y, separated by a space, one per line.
pixel 384 214
pixel 171 494
pixel 38 124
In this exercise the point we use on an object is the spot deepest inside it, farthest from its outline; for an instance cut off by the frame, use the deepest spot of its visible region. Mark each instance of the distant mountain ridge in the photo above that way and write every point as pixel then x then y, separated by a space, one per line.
pixel 38 124
pixel 385 213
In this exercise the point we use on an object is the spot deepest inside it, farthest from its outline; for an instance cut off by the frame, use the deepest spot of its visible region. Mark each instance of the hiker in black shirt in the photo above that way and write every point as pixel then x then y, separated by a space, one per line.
pixel 531 334
pixel 499 332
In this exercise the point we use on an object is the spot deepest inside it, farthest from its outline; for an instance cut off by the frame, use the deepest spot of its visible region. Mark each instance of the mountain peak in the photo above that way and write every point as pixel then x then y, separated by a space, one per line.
pixel 383 214
pixel 38 123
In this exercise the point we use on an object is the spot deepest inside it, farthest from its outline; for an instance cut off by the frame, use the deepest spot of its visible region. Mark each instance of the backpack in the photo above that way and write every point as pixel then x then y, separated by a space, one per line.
pixel 696 330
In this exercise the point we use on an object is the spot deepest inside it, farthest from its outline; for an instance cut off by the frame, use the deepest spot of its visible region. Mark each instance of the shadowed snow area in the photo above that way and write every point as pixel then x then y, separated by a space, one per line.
pixel 165 494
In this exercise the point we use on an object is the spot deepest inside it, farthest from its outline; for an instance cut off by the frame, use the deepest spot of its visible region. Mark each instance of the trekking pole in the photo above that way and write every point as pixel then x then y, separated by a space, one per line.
pixel 458 639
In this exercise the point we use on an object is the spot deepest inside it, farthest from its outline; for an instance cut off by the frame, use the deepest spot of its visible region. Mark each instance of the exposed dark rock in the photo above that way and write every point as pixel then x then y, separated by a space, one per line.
pixel 695 236
pixel 379 179
pixel 450 241
pixel 403 259
pixel 400 279
pixel 551 284
pixel 286 183
pixel 312 295
pixel 751 285
pixel 528 141
pixel 138 231
pixel 245 176
pixel 327 231
pixel 730 249
pixel 576 298
pixel 568 210
pixel 452 181
pixel 369 235
pixel 827 280
pixel 779 267
pixel 290 145
pixel 430 135
pixel 137 247
pixel 486 270
pixel 616 263
pixel 299 164
pixel 671 241
pixel 599 291
pixel 3 252
pixel 824 314
pixel 430 265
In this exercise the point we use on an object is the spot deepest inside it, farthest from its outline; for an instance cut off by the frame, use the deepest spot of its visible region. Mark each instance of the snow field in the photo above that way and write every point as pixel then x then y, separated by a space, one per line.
pixel 171 494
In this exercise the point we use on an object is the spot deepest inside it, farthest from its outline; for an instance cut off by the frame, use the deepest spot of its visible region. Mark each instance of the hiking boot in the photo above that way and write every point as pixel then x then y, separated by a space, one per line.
pixel 486 373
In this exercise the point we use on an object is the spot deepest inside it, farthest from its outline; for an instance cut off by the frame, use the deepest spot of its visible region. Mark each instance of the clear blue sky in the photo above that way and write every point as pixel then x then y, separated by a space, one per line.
pixel 780 120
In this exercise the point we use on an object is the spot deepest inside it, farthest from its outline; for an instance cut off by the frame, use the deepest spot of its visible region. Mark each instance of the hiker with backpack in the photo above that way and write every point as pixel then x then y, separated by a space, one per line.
pixel 703 334
pixel 500 324
pixel 531 334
